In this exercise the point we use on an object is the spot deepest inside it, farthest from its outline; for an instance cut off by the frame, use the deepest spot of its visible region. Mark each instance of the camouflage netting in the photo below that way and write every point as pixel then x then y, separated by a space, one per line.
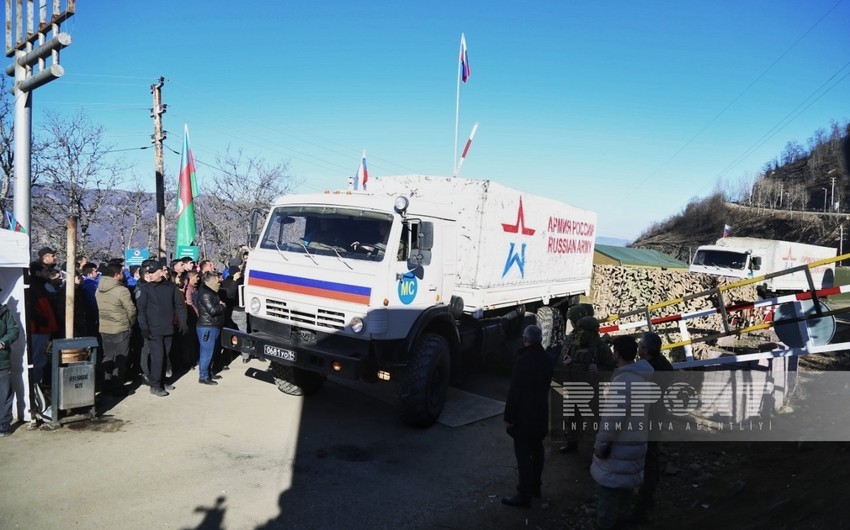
pixel 619 289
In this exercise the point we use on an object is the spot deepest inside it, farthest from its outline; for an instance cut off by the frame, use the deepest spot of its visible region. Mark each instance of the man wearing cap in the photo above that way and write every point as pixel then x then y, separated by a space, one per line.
pixel 47 256
pixel 158 303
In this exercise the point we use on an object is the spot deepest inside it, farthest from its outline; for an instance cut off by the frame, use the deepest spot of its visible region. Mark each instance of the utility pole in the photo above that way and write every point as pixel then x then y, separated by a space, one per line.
pixel 158 137
pixel 35 62
pixel 832 197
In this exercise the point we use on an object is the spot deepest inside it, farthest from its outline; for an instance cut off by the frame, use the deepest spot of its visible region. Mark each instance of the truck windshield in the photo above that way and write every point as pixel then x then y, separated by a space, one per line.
pixel 720 258
pixel 328 231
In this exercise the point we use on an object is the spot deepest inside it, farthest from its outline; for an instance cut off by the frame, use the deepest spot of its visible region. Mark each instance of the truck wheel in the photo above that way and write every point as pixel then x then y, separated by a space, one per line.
pixel 425 383
pixel 296 381
pixel 546 321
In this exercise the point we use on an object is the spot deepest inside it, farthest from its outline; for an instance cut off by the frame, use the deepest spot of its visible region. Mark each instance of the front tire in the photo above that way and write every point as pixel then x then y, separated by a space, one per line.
pixel 296 381
pixel 425 383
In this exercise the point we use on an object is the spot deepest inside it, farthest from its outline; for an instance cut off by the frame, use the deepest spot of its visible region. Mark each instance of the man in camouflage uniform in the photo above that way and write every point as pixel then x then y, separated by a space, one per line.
pixel 587 359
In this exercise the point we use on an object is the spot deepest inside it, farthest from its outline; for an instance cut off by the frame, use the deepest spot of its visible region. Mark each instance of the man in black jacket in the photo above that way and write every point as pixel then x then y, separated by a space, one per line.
pixel 527 415
pixel 159 304
pixel 211 314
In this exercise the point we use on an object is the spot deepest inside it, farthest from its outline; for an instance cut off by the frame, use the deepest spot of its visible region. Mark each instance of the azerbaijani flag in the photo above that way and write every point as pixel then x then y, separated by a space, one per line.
pixel 187 190
pixel 464 60
pixel 13 223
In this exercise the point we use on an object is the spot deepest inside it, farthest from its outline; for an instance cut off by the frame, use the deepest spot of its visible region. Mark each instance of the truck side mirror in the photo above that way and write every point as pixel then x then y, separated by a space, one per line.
pixel 419 257
pixel 755 263
pixel 253 239
pixel 426 236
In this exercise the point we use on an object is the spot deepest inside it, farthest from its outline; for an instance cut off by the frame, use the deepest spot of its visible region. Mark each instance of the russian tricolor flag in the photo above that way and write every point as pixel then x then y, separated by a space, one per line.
pixel 362 176
pixel 464 60
pixel 726 230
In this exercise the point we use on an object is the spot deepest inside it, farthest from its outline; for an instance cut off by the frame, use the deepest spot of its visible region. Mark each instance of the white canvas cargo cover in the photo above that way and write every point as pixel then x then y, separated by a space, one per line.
pixel 513 247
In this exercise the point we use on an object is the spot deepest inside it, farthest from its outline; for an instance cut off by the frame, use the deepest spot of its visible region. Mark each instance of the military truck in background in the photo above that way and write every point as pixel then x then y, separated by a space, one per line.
pixel 748 257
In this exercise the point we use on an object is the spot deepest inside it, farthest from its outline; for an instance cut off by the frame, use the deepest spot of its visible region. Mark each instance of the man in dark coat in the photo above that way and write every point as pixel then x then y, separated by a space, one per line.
pixel 159 305
pixel 527 415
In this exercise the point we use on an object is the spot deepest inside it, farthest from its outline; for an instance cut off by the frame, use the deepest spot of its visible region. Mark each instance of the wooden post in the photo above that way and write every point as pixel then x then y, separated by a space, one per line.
pixel 70 274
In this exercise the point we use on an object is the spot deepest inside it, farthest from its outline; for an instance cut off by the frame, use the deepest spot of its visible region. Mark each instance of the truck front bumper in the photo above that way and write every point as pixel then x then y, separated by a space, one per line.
pixel 321 356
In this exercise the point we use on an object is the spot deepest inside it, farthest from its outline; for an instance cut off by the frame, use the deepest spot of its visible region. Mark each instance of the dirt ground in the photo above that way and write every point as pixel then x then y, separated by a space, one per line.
pixel 754 485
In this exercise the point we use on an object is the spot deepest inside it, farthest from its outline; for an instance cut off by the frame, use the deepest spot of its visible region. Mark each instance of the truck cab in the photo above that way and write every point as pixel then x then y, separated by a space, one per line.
pixel 730 262
pixel 345 284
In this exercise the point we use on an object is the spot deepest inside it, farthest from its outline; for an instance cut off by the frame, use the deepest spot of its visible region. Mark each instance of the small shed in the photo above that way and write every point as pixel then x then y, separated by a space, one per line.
pixel 635 257
pixel 14 259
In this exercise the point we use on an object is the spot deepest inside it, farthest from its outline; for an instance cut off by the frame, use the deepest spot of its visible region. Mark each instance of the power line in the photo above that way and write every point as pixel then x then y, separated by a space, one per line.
pixel 791 116
pixel 736 98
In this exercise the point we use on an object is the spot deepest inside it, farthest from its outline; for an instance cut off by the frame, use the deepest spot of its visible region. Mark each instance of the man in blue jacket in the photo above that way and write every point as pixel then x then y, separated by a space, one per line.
pixel 160 305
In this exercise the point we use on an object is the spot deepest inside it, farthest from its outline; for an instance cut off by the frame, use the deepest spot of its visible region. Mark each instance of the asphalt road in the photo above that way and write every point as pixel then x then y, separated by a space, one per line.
pixel 243 455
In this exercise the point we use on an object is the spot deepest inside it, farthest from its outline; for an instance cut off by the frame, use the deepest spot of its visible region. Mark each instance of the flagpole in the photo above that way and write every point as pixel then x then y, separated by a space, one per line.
pixel 457 104
pixel 466 149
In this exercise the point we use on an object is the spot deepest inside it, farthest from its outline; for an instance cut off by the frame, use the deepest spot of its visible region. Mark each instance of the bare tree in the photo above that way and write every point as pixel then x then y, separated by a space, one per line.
pixel 131 218
pixel 238 185
pixel 6 148
pixel 72 176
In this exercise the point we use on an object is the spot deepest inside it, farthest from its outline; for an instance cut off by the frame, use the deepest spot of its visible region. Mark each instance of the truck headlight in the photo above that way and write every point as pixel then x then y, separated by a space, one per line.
pixel 401 204
pixel 357 325
pixel 255 305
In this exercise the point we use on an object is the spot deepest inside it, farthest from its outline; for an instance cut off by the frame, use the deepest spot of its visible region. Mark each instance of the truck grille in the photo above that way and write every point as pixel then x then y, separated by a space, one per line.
pixel 322 319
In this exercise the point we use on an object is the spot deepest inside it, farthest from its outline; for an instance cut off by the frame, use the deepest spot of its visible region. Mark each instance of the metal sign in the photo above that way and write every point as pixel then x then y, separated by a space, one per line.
pixel 135 256
pixel 188 250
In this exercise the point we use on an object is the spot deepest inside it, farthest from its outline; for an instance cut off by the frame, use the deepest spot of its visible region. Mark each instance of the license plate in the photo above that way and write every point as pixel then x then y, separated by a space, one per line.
pixel 280 353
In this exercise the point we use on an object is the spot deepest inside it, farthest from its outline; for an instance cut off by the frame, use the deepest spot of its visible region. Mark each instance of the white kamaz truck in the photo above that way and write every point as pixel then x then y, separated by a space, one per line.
pixel 407 282
pixel 748 257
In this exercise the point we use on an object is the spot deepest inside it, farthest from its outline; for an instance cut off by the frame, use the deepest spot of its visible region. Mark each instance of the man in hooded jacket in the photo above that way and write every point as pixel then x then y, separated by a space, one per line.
pixel 620 448
pixel 117 316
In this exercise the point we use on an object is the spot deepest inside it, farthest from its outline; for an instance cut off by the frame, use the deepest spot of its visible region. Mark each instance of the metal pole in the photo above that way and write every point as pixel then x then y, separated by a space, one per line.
pixel 23 138
pixel 832 196
pixel 824 200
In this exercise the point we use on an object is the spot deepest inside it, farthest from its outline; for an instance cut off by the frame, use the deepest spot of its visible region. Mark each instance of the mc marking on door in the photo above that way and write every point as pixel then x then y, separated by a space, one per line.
pixel 407 288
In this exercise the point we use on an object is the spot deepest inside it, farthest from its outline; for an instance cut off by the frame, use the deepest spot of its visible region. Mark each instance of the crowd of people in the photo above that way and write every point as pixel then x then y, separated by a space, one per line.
pixel 624 461
pixel 152 321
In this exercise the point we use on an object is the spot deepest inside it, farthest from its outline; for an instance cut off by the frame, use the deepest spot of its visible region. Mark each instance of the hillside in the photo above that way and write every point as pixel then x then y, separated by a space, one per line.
pixel 787 201
pixel 702 223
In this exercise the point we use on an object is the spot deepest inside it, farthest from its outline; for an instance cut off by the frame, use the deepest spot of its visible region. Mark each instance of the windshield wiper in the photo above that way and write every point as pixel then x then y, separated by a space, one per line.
pixel 339 257
pixel 307 252
pixel 279 251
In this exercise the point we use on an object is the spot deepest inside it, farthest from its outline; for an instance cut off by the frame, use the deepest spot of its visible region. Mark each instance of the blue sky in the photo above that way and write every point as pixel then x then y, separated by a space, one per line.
pixel 626 108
